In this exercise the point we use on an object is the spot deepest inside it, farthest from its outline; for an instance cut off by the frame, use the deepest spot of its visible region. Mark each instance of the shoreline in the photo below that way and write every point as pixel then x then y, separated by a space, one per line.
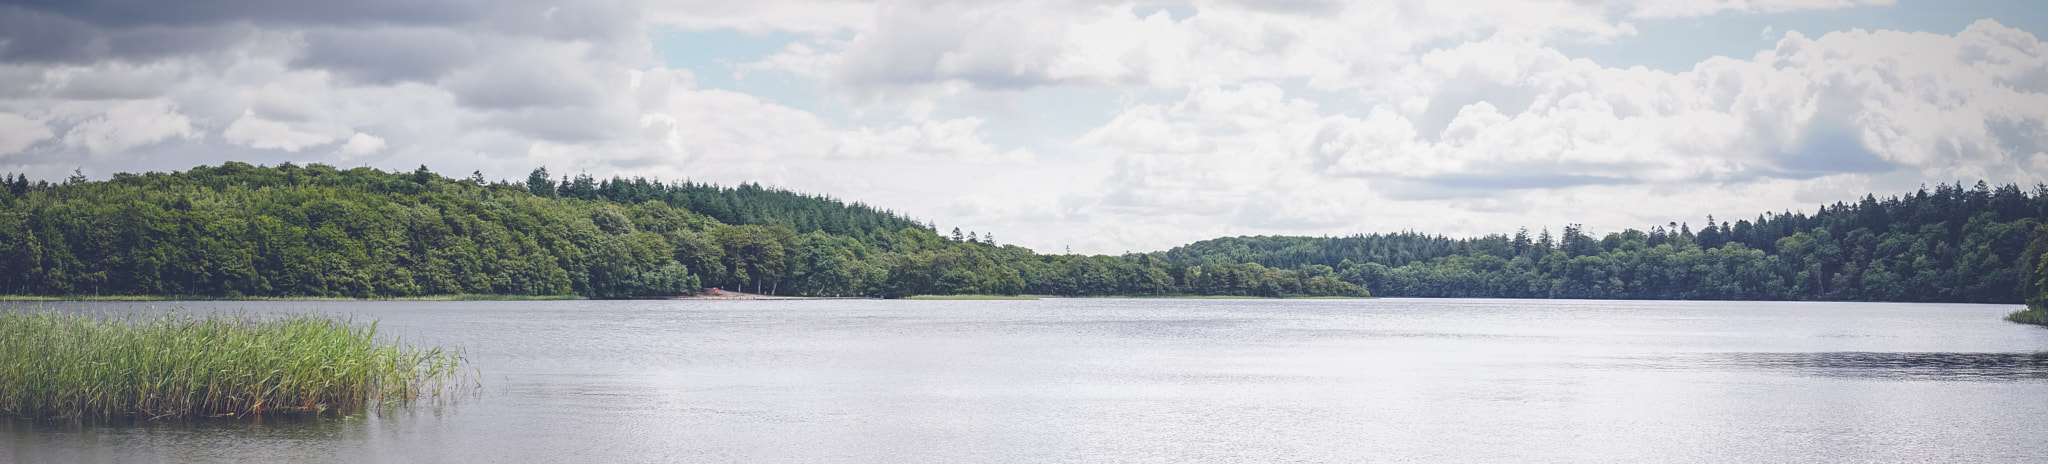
pixel 2032 315
pixel 456 297
pixel 1152 297
pixel 728 295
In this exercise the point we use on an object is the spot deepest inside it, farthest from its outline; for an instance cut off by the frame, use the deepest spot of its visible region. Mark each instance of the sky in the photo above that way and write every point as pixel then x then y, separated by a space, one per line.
pixel 1096 127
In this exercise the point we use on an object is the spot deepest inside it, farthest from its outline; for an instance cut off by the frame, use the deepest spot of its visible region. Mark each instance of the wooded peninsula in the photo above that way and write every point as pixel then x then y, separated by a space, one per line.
pixel 239 230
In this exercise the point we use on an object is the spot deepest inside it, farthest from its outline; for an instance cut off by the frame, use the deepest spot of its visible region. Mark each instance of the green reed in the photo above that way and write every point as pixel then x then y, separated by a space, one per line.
pixel 2037 316
pixel 169 366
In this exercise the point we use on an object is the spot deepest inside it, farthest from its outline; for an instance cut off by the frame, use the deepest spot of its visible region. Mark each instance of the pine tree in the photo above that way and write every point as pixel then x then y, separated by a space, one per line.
pixel 540 184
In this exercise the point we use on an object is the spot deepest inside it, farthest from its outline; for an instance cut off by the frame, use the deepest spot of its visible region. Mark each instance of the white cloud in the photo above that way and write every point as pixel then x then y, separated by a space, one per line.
pixel 18 133
pixel 760 17
pixel 1242 117
pixel 1811 120
pixel 920 51
pixel 1690 8
pixel 955 139
pixel 359 145
pixel 1145 129
pixel 257 132
pixel 128 125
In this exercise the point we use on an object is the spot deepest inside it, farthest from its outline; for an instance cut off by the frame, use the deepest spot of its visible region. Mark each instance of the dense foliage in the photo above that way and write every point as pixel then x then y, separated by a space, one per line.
pixel 239 230
pixel 1953 244
pixel 242 230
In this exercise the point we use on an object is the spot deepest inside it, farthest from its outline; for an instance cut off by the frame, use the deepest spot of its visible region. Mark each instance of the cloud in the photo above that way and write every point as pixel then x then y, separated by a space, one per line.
pixel 1692 8
pixel 18 133
pixel 360 144
pixel 257 132
pixel 30 35
pixel 955 139
pixel 1817 118
pixel 128 125
pixel 1104 126
pixel 1145 129
pixel 387 54
pixel 760 17
pixel 525 81
pixel 204 12
pixel 933 50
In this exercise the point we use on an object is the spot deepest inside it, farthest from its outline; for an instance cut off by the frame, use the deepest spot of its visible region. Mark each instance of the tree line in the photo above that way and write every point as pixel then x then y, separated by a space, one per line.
pixel 239 230
pixel 1975 244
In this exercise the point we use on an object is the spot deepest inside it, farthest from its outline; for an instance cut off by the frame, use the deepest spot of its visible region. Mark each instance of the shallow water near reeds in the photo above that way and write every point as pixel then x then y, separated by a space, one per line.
pixel 1122 380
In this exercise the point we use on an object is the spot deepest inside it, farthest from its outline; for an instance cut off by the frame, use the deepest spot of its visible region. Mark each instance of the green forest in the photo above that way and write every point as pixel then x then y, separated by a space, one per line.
pixel 239 230
pixel 1952 244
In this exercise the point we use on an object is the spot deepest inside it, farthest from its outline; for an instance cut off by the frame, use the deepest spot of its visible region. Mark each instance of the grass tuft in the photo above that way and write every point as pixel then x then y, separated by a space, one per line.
pixel 171 366
pixel 2037 316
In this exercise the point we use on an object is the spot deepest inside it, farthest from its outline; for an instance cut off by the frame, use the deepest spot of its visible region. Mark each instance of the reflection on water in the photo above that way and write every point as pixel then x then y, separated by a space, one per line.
pixel 1895 366
pixel 1157 381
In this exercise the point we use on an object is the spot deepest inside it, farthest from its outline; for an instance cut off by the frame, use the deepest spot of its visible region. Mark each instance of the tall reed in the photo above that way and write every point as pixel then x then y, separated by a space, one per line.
pixel 56 364
pixel 2032 315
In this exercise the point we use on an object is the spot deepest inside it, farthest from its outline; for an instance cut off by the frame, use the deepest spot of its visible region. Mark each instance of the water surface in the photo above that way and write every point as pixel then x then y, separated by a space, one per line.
pixel 1125 380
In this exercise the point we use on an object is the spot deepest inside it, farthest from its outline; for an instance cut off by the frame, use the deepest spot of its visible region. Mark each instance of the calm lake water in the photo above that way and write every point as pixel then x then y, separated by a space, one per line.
pixel 1125 380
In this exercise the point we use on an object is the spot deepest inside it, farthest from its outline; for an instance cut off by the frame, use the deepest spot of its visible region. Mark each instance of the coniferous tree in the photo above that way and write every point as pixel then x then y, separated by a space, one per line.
pixel 540 184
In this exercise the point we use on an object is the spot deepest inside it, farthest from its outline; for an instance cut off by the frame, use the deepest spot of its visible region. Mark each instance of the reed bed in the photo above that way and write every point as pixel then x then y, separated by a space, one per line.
pixel 174 366
pixel 2032 315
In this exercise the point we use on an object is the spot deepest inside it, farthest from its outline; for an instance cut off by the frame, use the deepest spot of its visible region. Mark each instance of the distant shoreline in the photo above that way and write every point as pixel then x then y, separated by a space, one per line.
pixel 729 295
pixel 457 297
pixel 1154 297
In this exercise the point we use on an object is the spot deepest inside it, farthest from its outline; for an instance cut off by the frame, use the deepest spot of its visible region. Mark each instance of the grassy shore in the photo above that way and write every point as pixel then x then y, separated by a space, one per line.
pixel 2034 314
pixel 169 366
pixel 458 297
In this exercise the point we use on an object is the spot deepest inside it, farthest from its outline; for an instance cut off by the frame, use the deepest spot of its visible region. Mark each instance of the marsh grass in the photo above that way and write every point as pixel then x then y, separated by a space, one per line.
pixel 68 365
pixel 2032 315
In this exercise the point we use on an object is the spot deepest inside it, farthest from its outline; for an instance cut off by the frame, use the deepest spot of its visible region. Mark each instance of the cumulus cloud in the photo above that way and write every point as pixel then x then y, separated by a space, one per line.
pixel 927 50
pixel 360 144
pixel 128 125
pixel 1847 102
pixel 1819 119
pixel 955 139
pixel 430 79
pixel 263 133
pixel 1215 117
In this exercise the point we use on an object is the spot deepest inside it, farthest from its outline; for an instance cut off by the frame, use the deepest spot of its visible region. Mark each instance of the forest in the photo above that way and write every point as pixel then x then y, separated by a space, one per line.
pixel 1975 244
pixel 239 230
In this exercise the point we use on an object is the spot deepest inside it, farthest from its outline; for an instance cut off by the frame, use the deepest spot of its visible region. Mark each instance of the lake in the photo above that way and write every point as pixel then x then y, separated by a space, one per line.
pixel 1152 380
